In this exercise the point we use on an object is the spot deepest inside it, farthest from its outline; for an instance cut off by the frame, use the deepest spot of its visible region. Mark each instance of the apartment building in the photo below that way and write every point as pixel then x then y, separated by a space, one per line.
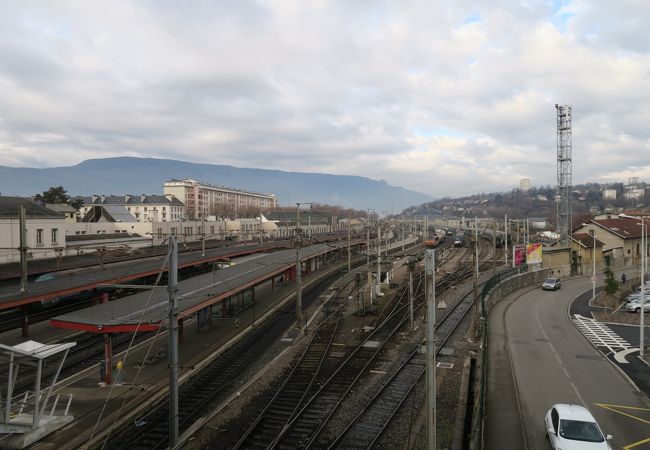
pixel 144 208
pixel 203 199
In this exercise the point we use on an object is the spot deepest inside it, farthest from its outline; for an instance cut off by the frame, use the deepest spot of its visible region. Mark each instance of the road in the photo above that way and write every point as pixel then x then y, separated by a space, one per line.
pixel 553 363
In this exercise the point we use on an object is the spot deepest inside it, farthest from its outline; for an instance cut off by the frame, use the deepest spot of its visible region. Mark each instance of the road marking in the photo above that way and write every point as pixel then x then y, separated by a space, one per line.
pixel 620 356
pixel 613 409
pixel 636 444
pixel 600 335
pixel 578 393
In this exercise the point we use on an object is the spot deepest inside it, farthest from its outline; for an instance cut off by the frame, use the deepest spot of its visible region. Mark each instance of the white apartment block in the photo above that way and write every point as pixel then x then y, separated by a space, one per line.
pixel 203 199
pixel 609 194
pixel 145 208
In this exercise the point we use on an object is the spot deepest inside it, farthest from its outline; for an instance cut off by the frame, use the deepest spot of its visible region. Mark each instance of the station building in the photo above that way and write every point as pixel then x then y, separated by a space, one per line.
pixel 45 229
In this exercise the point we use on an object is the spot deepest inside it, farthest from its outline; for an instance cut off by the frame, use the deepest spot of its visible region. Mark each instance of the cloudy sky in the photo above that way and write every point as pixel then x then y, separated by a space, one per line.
pixel 446 98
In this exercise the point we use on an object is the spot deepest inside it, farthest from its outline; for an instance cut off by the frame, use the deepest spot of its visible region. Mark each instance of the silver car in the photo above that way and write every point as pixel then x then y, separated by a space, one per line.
pixel 551 284
pixel 635 306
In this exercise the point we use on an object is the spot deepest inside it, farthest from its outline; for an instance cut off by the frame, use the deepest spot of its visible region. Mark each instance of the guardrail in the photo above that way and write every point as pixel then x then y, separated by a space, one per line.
pixel 496 288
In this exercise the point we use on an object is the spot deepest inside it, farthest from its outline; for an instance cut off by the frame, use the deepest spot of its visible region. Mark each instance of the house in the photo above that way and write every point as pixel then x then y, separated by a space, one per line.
pixel 585 249
pixel 621 238
pixel 45 229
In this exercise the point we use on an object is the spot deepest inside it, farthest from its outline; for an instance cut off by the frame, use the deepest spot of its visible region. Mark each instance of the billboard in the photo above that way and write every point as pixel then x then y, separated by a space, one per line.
pixel 534 253
pixel 518 255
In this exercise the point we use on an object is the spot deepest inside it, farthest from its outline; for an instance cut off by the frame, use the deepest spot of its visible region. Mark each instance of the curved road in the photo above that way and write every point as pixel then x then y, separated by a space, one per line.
pixel 551 362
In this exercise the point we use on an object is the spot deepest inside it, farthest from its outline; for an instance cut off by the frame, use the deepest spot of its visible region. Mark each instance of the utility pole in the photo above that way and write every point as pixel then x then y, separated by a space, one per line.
pixel 172 288
pixel 298 270
pixel 378 259
pixel 475 281
pixel 494 247
pixel 506 241
pixel 349 244
pixel 430 286
pixel 411 267
pixel 299 323
pixel 360 303
pixel 368 258
pixel 22 222
pixel 202 236
pixel 644 262
pixel 261 230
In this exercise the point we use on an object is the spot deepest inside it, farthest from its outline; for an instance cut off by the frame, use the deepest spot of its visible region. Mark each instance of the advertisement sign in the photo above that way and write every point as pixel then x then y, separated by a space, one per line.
pixel 518 255
pixel 534 254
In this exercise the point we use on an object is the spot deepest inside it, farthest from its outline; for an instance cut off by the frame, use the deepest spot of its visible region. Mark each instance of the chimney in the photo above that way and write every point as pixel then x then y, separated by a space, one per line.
pixel 127 197
pixel 142 198
pixel 103 198
pixel 93 199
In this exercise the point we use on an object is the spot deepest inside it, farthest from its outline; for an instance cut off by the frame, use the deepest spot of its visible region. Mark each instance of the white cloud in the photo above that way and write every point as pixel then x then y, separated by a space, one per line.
pixel 446 98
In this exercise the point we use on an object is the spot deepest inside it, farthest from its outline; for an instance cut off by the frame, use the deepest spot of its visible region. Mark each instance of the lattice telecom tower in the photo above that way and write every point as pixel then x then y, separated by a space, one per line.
pixel 564 149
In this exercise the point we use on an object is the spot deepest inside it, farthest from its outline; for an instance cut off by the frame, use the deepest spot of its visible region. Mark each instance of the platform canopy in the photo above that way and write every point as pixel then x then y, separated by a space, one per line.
pixel 33 349
pixel 146 310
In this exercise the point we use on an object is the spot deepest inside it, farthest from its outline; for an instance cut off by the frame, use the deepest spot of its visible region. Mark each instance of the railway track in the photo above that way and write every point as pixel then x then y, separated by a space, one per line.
pixel 304 427
pixel 368 425
pixel 365 429
pixel 205 390
pixel 308 421
pixel 295 388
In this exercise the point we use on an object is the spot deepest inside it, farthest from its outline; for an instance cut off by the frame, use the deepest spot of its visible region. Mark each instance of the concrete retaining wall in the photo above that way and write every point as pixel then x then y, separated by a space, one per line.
pixel 510 285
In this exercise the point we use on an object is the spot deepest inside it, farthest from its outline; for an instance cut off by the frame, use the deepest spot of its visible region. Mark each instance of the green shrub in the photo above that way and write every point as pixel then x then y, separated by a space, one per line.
pixel 611 283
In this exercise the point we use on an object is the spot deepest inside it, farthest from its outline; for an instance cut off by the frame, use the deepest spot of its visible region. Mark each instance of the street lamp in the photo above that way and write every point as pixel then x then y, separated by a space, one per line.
pixel 642 269
pixel 593 277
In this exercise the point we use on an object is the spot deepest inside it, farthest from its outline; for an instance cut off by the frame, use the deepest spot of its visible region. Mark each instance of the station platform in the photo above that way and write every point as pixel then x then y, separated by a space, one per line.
pixel 73 282
pixel 144 376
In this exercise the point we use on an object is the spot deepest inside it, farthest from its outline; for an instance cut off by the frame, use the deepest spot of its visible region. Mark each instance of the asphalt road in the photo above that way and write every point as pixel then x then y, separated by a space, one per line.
pixel 553 363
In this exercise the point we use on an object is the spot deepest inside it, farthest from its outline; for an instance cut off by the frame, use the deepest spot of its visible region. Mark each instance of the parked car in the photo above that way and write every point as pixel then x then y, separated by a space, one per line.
pixel 635 298
pixel 573 427
pixel 635 306
pixel 551 284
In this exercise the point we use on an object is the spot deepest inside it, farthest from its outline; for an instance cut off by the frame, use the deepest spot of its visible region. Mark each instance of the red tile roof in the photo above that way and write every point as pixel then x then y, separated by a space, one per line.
pixel 624 227
pixel 587 240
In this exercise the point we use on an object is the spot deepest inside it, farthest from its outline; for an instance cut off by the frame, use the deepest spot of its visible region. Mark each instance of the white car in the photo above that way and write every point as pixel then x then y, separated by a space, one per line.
pixel 635 305
pixel 573 427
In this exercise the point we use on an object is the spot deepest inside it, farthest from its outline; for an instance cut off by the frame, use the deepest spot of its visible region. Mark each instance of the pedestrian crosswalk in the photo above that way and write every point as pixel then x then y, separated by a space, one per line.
pixel 600 334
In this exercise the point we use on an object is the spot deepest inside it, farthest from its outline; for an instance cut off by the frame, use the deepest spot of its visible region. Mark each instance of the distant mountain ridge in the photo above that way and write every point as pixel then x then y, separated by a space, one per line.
pixel 129 175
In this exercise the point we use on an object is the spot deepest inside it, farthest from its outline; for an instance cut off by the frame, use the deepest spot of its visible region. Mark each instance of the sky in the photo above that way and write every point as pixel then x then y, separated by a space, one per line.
pixel 445 98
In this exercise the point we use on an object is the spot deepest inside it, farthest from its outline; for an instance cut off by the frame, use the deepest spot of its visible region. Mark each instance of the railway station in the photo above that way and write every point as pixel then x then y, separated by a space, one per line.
pixel 224 293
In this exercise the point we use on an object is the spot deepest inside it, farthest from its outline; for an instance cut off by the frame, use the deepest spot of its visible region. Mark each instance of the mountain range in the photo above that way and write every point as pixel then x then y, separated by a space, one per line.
pixel 128 175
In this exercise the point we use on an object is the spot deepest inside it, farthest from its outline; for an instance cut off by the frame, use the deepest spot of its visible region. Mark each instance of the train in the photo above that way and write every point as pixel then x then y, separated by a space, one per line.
pixel 459 240
pixel 500 239
pixel 432 243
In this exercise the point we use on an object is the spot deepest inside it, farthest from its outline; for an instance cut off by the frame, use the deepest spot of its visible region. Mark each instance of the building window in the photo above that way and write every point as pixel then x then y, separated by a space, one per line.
pixel 211 229
pixel 39 236
pixel 55 232
pixel 159 233
pixel 173 231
